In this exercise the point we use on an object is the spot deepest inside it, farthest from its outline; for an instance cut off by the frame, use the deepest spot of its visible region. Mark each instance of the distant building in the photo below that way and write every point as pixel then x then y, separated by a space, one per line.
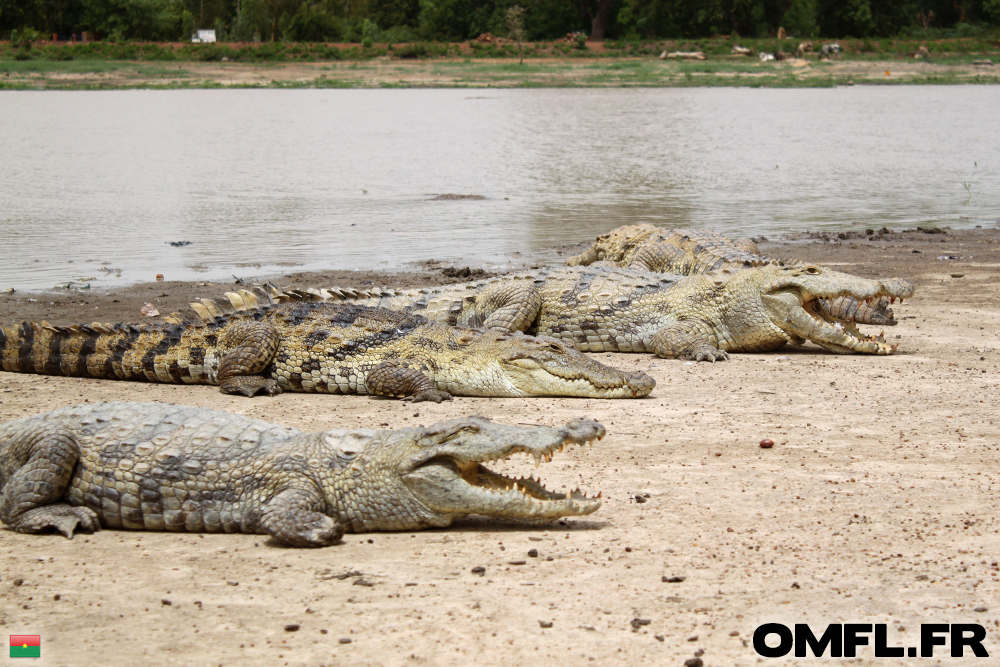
pixel 203 37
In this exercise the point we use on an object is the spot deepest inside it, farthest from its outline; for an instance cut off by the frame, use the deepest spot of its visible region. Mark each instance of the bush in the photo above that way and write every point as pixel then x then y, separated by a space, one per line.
pixel 60 53
pixel 411 51
pixel 23 38
pixel 213 53
pixel 398 34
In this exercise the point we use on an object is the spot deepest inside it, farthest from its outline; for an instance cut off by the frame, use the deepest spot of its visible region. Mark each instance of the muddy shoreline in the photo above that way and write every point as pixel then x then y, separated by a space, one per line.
pixel 495 73
pixel 878 503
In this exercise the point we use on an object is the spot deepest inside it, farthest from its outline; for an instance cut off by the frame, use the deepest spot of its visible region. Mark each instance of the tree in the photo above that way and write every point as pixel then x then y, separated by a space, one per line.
pixel 843 18
pixel 599 18
pixel 515 31
pixel 389 13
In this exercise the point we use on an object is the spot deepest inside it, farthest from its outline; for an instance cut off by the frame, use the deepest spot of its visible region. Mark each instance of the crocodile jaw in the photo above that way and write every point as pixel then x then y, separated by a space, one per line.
pixel 450 480
pixel 533 378
pixel 802 317
pixel 542 366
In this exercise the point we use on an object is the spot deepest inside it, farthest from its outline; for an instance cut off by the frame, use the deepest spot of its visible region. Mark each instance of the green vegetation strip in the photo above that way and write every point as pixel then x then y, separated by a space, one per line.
pixel 99 66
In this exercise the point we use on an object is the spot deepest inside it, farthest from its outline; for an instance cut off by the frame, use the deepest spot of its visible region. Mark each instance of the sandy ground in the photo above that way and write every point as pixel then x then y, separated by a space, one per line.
pixel 877 504
pixel 452 72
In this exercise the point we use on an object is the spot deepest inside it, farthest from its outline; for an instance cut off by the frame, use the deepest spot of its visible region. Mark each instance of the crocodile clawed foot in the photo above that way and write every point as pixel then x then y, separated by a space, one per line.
pixel 271 388
pixel 250 385
pixel 63 518
pixel 710 354
pixel 429 395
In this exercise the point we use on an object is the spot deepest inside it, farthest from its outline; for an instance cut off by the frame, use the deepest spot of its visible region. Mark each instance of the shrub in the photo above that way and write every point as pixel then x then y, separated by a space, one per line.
pixel 411 51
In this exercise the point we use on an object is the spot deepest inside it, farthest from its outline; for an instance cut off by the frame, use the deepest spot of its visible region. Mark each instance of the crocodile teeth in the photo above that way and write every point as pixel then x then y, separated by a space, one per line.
pixel 538 461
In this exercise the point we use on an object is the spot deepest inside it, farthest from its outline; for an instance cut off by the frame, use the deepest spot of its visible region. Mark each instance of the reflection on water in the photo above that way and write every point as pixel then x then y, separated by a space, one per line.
pixel 343 178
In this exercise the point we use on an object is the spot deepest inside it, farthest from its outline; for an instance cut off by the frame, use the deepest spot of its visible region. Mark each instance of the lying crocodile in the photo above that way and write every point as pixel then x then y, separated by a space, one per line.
pixel 311 347
pixel 631 310
pixel 689 252
pixel 153 466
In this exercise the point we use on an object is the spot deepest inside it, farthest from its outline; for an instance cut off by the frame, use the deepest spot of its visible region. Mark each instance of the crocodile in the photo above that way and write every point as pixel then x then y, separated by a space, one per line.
pixel 631 310
pixel 154 466
pixel 691 252
pixel 247 344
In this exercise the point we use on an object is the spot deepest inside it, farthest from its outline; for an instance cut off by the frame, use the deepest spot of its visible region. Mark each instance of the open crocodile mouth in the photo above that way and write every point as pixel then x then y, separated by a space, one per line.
pixel 813 322
pixel 449 485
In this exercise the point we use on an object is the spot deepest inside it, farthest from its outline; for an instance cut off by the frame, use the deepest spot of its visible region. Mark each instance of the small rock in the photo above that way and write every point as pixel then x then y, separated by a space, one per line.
pixel 345 640
pixel 922 577
pixel 159 277
pixel 672 580
pixel 795 584
pixel 545 624
pixel 232 583
pixel 517 562
pixel 56 597
pixel 479 569
pixel 18 582
pixel 981 609
pixel 658 638
pixel 958 275
pixel 166 603
pixel 694 662
pixel 734 633
pixel 639 622
pixel 362 582
pixel 693 639
pixel 766 443
pixel 292 627
pixel 533 553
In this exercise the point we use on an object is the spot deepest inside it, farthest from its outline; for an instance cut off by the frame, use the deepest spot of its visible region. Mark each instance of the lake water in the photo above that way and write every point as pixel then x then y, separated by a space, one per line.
pixel 269 180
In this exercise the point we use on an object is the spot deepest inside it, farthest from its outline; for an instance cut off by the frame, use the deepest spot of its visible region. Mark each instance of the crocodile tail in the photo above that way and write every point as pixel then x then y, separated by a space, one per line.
pixel 34 347
pixel 151 352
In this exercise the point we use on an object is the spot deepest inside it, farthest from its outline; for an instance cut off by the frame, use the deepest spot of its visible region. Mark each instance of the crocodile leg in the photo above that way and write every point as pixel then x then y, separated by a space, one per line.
pixel 512 306
pixel 291 518
pixel 247 349
pixel 39 465
pixel 391 379
pixel 687 339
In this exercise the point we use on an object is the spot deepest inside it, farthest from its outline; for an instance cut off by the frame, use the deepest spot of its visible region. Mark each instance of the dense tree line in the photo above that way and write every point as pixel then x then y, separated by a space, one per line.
pixel 398 21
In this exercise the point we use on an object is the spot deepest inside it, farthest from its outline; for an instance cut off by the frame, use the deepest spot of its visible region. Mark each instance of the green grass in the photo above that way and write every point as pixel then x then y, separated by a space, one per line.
pixel 43 67
pixel 358 72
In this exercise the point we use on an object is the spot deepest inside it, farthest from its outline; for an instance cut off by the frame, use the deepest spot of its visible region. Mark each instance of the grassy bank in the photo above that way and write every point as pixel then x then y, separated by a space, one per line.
pixel 470 64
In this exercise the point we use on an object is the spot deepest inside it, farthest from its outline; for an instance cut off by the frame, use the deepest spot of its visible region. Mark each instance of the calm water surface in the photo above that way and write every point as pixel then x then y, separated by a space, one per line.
pixel 268 180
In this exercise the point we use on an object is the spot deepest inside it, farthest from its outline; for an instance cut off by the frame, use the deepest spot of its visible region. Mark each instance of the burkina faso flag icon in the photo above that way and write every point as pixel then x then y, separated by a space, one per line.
pixel 25 646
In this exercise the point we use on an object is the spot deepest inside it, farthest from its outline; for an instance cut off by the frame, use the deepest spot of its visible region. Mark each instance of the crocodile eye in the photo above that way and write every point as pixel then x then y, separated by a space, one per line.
pixel 812 270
